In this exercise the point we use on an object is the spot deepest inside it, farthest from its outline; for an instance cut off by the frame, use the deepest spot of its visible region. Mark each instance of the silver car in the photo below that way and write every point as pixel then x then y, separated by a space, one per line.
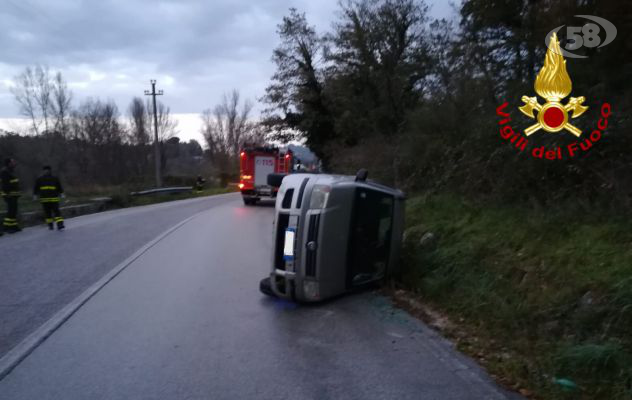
pixel 333 234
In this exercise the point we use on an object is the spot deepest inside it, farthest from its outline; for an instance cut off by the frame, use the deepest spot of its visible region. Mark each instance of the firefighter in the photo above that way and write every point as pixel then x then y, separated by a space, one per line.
pixel 49 191
pixel 199 183
pixel 10 191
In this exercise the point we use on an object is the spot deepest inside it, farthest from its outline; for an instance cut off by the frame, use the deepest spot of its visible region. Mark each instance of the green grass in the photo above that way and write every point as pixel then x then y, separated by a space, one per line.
pixel 546 295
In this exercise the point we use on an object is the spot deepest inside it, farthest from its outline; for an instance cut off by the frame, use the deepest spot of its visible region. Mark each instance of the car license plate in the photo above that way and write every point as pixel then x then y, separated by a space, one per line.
pixel 288 247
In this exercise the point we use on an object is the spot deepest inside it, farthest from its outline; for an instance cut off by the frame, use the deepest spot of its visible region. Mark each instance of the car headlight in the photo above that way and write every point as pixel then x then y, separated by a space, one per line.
pixel 320 196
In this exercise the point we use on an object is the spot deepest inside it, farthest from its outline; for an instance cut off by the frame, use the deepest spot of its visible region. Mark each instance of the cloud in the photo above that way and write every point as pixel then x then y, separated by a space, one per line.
pixel 195 49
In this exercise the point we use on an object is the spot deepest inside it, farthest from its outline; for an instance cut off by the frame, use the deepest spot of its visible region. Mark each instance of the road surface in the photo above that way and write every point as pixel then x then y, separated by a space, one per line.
pixel 185 320
pixel 42 271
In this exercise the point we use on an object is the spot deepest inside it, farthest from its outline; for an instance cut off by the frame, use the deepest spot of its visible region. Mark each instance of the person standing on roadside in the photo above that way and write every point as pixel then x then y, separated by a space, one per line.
pixel 49 191
pixel 10 190
pixel 199 184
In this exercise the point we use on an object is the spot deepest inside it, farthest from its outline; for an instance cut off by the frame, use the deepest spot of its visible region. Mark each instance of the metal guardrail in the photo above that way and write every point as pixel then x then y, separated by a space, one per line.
pixel 167 190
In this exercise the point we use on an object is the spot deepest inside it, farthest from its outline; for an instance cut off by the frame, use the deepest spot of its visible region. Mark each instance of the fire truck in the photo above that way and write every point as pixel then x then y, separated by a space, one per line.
pixel 255 164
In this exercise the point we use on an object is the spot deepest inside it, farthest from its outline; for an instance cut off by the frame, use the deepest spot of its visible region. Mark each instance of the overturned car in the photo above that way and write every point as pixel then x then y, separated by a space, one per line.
pixel 332 234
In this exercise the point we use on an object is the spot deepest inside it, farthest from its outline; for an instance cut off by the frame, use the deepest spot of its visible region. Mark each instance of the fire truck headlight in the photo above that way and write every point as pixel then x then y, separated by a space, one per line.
pixel 320 196
pixel 310 289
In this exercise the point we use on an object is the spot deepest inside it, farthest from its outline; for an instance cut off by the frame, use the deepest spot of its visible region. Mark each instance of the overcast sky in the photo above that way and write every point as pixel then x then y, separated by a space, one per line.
pixel 195 49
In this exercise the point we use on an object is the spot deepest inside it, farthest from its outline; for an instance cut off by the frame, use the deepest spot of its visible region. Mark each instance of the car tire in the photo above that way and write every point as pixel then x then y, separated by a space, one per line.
pixel 248 201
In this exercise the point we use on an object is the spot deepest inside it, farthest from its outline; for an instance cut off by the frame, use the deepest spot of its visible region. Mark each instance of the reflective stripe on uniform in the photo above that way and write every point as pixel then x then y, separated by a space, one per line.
pixel 49 220
pixel 9 223
pixel 48 188
pixel 59 219
pixel 49 200
pixel 14 180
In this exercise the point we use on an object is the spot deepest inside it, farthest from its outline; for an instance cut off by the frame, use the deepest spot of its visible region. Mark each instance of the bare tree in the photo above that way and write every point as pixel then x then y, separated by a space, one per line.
pixel 167 130
pixel 215 139
pixel 140 128
pixel 167 125
pixel 61 103
pixel 226 128
pixel 24 93
pixel 97 123
pixel 43 93
pixel 41 97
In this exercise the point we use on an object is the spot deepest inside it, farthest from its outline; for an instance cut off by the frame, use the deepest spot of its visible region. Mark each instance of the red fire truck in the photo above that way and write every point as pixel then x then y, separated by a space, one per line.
pixel 255 164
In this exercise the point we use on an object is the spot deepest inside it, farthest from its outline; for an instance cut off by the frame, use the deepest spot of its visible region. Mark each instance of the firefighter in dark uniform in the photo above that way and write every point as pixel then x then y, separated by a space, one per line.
pixel 49 190
pixel 199 184
pixel 10 191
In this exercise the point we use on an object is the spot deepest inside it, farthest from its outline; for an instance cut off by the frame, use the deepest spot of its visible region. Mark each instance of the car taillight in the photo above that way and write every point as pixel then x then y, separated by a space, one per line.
pixel 241 185
pixel 246 177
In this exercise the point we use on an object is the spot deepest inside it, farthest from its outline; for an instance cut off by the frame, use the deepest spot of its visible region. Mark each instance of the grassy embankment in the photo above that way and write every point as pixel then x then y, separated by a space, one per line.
pixel 542 299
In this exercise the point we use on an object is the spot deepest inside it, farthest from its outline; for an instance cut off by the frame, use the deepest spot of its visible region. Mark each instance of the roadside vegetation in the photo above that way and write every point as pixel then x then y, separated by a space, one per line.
pixel 542 298
pixel 529 259
pixel 92 145
pixel 118 197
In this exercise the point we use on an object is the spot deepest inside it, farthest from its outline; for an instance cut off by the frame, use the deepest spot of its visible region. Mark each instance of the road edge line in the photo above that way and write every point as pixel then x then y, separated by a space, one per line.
pixel 22 350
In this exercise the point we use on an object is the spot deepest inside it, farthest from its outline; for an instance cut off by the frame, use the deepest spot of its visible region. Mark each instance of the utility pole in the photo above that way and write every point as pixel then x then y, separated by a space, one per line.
pixel 153 94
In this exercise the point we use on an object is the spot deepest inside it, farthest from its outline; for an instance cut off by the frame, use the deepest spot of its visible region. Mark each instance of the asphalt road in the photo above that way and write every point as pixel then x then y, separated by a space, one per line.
pixel 185 320
pixel 42 271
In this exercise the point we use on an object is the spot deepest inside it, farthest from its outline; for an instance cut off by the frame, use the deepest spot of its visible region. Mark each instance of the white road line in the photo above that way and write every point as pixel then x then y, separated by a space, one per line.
pixel 17 354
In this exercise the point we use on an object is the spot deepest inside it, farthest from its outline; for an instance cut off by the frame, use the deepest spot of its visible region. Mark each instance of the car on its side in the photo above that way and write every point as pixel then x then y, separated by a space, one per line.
pixel 333 234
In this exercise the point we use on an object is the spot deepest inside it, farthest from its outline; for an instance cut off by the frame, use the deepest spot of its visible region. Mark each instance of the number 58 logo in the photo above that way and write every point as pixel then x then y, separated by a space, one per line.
pixel 585 36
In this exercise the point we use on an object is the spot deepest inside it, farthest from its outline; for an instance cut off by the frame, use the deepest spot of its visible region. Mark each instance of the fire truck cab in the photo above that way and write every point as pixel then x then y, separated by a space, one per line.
pixel 255 164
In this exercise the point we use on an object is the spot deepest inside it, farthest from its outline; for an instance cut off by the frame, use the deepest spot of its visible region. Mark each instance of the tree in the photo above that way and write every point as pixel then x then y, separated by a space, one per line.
pixel 61 104
pixel 226 128
pixel 138 122
pixel 378 64
pixel 97 122
pixel 99 135
pixel 354 84
pixel 42 99
pixel 167 125
pixel 32 91
pixel 295 96
pixel 167 129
